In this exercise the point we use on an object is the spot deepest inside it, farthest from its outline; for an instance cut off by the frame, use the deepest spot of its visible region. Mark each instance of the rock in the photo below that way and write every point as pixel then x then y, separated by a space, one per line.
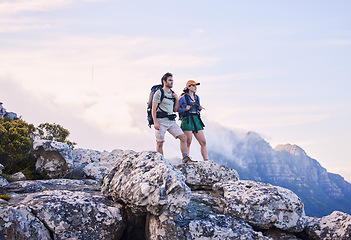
pixel 85 185
pixel 53 158
pixel 263 205
pixel 146 182
pixel 76 215
pixel 17 177
pixel 278 234
pixel 1 168
pixel 4 113
pixel 94 164
pixel 3 182
pixel 202 219
pixel 334 226
pixel 202 175
pixel 18 222
pixel 210 227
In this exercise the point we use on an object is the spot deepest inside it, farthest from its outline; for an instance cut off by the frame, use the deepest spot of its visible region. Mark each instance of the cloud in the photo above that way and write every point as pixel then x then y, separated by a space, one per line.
pixel 99 80
pixel 9 7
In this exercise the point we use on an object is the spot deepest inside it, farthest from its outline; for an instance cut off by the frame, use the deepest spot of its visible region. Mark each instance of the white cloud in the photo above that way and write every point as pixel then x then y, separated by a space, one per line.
pixel 124 69
pixel 9 7
pixel 16 6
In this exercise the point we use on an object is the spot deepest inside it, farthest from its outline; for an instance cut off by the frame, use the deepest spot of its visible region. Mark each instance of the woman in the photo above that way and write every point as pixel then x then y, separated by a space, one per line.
pixel 189 112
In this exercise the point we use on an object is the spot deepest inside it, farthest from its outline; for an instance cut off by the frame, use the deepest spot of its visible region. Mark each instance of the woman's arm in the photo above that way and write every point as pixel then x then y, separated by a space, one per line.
pixel 182 104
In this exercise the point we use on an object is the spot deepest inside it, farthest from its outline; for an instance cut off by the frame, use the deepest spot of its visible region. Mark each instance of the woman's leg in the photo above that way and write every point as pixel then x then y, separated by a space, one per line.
pixel 189 135
pixel 200 137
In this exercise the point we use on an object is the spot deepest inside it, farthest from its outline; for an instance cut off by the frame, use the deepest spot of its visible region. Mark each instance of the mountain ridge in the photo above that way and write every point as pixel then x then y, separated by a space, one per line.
pixel 288 166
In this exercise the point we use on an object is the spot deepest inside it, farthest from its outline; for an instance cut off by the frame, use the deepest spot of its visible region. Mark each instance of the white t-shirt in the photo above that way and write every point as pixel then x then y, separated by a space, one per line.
pixel 166 105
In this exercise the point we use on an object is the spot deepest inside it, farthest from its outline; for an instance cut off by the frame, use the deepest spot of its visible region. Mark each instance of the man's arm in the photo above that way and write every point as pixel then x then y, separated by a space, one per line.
pixel 176 102
pixel 153 113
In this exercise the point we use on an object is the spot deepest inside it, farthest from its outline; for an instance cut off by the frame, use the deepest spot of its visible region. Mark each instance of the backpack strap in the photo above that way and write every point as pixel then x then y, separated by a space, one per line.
pixel 162 97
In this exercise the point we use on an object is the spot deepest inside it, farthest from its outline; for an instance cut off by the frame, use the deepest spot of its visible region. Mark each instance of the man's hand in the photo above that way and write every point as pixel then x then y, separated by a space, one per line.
pixel 157 125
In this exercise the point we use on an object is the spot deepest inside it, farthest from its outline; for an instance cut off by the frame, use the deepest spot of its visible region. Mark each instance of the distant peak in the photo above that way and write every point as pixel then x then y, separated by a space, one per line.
pixel 290 148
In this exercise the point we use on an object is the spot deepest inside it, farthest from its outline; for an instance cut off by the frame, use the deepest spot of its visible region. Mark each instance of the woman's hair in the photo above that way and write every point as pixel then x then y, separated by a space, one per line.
pixel 185 90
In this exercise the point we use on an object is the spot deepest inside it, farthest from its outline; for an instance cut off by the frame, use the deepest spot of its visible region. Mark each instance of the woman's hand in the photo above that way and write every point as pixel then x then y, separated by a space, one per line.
pixel 187 108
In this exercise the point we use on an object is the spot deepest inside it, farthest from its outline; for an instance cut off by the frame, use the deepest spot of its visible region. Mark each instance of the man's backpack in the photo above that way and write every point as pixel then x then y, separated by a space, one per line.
pixel 149 103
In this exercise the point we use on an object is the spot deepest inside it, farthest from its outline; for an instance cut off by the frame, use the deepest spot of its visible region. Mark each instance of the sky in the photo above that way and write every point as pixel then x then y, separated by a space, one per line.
pixel 278 68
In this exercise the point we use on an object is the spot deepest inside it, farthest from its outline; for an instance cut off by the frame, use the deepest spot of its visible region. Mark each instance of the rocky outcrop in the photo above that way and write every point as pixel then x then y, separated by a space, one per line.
pixel 203 218
pixel 53 158
pixel 73 215
pixel 263 205
pixel 145 197
pixel 18 222
pixel 4 113
pixel 334 226
pixel 85 185
pixel 203 175
pixel 78 213
pixel 146 182
pixel 95 164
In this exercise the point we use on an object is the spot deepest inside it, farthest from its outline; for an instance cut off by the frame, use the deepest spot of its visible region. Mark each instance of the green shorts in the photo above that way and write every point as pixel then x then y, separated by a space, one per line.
pixel 189 125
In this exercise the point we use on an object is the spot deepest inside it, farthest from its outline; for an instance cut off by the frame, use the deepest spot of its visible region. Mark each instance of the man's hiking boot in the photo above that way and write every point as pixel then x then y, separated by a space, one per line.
pixel 187 159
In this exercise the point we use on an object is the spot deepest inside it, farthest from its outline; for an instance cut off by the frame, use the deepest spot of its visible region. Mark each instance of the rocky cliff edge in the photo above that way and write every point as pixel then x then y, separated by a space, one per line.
pixel 144 196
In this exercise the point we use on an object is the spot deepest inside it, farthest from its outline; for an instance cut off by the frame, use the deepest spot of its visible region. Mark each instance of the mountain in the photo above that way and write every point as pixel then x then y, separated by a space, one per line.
pixel 287 166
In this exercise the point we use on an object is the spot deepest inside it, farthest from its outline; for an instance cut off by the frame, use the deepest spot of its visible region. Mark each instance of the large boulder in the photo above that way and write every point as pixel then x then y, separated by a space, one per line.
pixel 263 205
pixel 53 158
pixel 3 182
pixel 146 182
pixel 202 219
pixel 76 215
pixel 94 164
pixel 19 176
pixel 18 222
pixel 337 225
pixel 202 175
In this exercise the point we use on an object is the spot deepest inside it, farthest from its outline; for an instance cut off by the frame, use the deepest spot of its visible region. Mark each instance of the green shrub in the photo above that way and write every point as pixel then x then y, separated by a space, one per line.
pixel 15 143
pixel 54 132
pixel 16 137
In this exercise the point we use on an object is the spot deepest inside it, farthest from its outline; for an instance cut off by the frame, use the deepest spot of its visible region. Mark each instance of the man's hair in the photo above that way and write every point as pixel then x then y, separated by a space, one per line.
pixel 164 78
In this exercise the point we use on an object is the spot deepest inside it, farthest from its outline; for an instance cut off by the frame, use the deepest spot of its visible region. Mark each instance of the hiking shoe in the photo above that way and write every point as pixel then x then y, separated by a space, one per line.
pixel 187 159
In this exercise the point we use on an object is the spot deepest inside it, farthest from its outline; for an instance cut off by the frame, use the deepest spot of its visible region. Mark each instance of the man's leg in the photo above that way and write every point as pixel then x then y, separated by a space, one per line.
pixel 159 147
pixel 183 144
pixel 160 138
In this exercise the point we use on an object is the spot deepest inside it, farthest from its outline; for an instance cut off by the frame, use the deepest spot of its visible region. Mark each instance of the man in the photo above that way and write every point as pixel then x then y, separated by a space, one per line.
pixel 164 117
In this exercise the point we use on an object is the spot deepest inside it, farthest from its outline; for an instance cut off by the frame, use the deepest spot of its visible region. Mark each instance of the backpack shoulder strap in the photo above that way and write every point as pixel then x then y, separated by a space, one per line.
pixel 197 100
pixel 187 98
pixel 162 94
